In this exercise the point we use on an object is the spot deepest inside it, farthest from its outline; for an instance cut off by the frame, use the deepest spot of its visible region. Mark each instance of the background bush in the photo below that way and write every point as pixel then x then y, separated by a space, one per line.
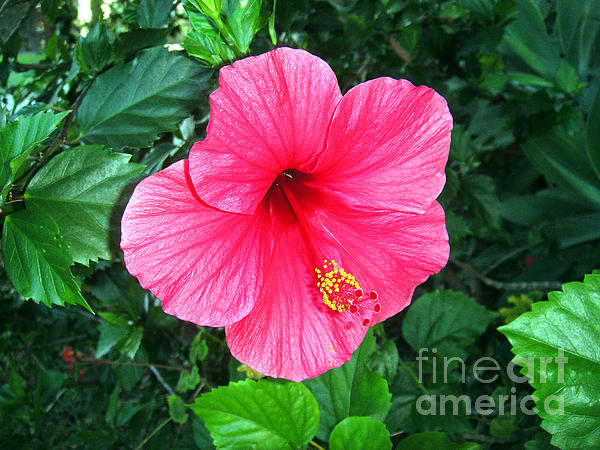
pixel 90 105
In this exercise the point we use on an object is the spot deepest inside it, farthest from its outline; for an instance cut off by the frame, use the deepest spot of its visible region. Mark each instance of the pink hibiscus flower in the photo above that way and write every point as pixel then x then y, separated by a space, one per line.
pixel 303 218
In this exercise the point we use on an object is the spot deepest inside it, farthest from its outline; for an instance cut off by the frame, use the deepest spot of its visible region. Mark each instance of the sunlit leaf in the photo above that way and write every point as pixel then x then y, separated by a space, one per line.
pixel 555 344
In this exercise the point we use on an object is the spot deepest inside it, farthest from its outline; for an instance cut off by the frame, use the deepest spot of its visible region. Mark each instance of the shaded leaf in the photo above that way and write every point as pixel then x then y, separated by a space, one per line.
pixel 130 104
pixel 188 380
pixel 154 13
pixel 351 390
pixel 562 160
pixel 480 192
pixel 433 440
pixel 526 37
pixel 177 409
pixel 95 50
pixel 447 320
pixel 593 134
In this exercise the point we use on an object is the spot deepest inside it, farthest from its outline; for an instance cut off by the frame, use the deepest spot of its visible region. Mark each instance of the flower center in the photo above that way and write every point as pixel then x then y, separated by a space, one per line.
pixel 340 290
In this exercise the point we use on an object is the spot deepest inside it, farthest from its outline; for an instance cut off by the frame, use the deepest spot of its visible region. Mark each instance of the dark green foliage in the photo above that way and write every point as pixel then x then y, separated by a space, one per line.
pixel 88 107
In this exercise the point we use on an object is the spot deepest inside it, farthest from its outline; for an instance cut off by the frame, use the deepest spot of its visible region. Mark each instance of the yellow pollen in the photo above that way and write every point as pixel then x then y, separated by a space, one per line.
pixel 336 285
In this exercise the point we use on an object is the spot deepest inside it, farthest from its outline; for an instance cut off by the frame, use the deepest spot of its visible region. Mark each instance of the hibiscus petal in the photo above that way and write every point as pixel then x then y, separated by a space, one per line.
pixel 291 333
pixel 270 113
pixel 390 253
pixel 205 265
pixel 387 146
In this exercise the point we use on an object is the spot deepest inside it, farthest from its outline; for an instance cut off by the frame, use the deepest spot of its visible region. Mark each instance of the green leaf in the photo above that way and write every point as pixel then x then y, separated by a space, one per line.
pixel 16 384
pixel 204 41
pixel 526 37
pixel 272 32
pixel 447 320
pixel 188 380
pixel 126 339
pixel 566 78
pixel 95 51
pixel 81 189
pixel 275 414
pixel 154 13
pixel 111 410
pixel 433 440
pixel 201 435
pixel 110 336
pixel 577 28
pixel 548 204
pixel 555 345
pixel 243 21
pixel 575 230
pixel 128 376
pixel 521 305
pixel 385 361
pixel 130 345
pixel 592 128
pixel 411 408
pixel 177 409
pixel 130 104
pixel 136 39
pixel 529 79
pixel 360 433
pixel 18 140
pixel 540 441
pixel 351 390
pixel 480 193
pixel 199 348
pixel 210 8
pixel 562 160
pixel 37 260
pixel 503 426
pixel 458 228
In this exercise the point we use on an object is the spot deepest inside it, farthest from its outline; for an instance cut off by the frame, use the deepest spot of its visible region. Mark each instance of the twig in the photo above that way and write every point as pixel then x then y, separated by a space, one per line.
pixel 399 50
pixel 20 67
pixel 507 286
pixel 505 258
pixel 161 380
pixel 58 341
pixel 92 360
pixel 3 7
pixel 357 74
pixel 156 430
pixel 196 392
pixel 60 139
